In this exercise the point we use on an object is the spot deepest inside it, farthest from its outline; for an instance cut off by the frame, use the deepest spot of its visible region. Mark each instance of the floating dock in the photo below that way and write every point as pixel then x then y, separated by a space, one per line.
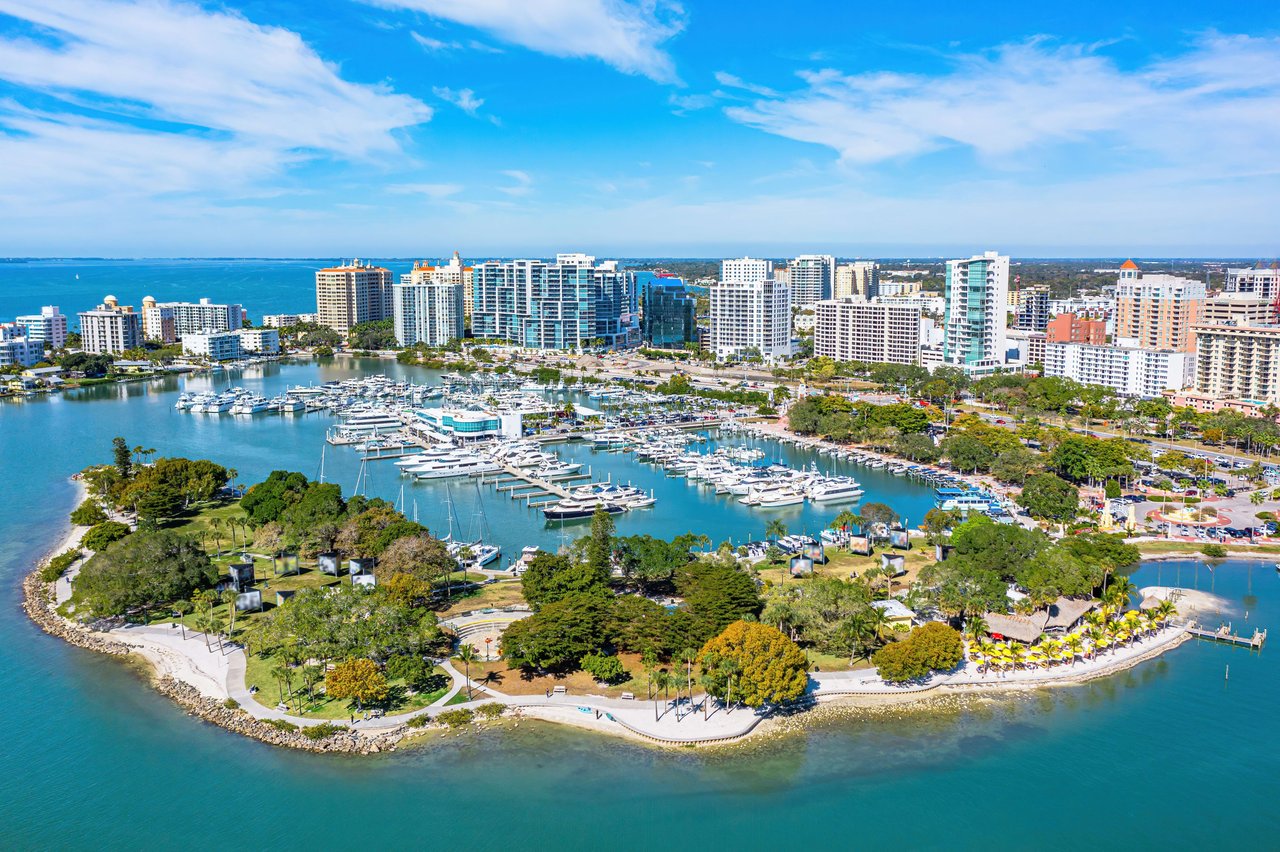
pixel 1227 635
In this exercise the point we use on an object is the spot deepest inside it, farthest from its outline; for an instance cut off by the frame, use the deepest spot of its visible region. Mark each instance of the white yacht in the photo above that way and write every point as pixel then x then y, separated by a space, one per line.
pixel 452 468
pixel 833 489
pixel 372 420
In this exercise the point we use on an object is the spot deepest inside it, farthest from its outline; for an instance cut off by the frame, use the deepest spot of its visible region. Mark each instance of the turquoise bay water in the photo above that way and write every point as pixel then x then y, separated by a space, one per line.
pixel 1169 754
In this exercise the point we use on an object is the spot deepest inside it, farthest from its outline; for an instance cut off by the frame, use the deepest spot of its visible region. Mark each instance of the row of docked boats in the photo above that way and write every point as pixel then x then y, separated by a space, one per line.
pixel 236 401
pixel 583 502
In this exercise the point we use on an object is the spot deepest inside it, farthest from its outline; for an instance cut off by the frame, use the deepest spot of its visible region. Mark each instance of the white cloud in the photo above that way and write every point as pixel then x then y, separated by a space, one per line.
pixel 626 34
pixel 434 44
pixel 523 183
pixel 732 81
pixel 435 191
pixel 160 97
pixel 463 99
pixel 684 104
pixel 1216 106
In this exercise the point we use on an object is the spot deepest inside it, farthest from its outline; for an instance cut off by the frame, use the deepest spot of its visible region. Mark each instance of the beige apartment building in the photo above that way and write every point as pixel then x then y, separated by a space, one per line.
pixel 1157 311
pixel 872 332
pixel 351 294
pixel 1238 362
pixel 110 328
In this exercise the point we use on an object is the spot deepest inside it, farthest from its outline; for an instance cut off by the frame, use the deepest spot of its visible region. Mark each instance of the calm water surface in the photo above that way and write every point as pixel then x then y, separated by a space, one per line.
pixel 1166 755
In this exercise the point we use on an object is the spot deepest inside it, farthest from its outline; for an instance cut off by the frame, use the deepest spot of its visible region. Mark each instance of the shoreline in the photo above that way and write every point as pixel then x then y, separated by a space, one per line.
pixel 175 676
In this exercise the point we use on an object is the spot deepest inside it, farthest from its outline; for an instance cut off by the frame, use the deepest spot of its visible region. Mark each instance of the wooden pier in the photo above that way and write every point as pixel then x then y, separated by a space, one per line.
pixel 1227 635
pixel 522 485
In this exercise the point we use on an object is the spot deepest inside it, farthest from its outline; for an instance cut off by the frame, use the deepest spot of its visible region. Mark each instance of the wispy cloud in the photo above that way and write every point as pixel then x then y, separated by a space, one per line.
pixel 684 104
pixel 627 34
pixel 463 99
pixel 1216 106
pixel 523 183
pixel 172 98
pixel 435 191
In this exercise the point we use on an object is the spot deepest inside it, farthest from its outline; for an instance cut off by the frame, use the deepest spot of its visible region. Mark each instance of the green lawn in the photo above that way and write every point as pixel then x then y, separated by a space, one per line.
pixel 258 673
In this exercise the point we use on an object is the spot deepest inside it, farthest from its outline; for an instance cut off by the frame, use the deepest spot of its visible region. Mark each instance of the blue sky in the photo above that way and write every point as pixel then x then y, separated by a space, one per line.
pixel 634 127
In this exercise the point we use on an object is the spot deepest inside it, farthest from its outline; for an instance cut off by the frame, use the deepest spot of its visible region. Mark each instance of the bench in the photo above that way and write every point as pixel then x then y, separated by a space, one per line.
pixel 559 690
pixel 628 696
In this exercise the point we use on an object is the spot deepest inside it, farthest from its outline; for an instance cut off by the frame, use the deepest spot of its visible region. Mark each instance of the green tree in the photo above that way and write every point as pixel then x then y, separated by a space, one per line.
pixel 599 547
pixel 1048 497
pixel 143 570
pixel 88 514
pixel 605 668
pixel 716 595
pixel 771 668
pixel 559 635
pixel 931 648
pixel 553 577
pixel 103 534
pixel 123 457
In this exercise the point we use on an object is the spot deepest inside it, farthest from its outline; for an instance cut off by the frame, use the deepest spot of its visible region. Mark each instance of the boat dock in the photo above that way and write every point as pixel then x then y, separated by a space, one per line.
pixel 1225 634
pixel 522 485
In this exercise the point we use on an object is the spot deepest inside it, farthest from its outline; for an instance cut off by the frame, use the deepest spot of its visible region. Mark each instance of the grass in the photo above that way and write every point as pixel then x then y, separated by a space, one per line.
pixel 1193 548
pixel 819 661
pixel 258 673
pixel 841 564
pixel 495 595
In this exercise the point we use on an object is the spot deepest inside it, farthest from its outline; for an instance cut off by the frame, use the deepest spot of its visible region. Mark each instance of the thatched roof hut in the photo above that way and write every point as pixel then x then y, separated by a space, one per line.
pixel 1150 602
pixel 1065 613
pixel 1021 628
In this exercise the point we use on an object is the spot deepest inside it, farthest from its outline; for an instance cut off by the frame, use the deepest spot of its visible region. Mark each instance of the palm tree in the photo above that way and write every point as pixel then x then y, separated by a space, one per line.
pixel 229 598
pixel 846 518
pixel 284 678
pixel 467 653
pixel 662 681
pixel 1119 592
pixel 1167 610
pixel 1017 654
pixel 1074 643
pixel 878 623
pixel 775 529
pixel 1097 637
pixel 216 524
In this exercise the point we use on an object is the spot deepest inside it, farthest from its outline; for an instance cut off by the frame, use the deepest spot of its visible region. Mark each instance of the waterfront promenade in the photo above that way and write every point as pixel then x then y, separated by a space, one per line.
pixel 218 673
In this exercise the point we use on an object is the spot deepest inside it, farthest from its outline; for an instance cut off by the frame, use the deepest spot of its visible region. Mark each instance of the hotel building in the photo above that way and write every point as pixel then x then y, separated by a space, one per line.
pixel 749 314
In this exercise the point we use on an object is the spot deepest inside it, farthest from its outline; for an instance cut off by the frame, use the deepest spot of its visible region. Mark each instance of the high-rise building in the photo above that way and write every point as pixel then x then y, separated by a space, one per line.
pixel 49 327
pixel 351 294
pixel 16 349
pixel 873 332
pixel 811 278
pixel 453 272
pixel 750 317
pixel 1157 311
pixel 668 319
pixel 746 269
pixel 573 303
pixel 1128 370
pixel 1069 328
pixel 1262 280
pixel 168 322
pixel 1033 309
pixel 1238 362
pixel 110 328
pixel 976 317
pixel 859 278
pixel 428 309
pixel 1238 309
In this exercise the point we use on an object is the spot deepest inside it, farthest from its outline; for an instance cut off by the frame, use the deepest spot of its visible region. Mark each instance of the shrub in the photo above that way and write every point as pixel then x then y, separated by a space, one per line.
pixel 321 731
pixel 58 565
pixel 418 721
pixel 103 534
pixel 88 514
pixel 456 718
pixel 231 704
pixel 931 648
pixel 490 711
pixel 281 725
pixel 606 668
pixel 1112 489
pixel 1214 551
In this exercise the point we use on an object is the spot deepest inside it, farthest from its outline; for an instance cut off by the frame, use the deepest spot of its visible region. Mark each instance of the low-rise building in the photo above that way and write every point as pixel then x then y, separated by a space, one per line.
pixel 259 341
pixel 1128 370
pixel 1204 403
pixel 213 345
pixel 1073 328
pixel 1238 309
pixel 286 320
pixel 872 332
pixel 1026 347
pixel 469 424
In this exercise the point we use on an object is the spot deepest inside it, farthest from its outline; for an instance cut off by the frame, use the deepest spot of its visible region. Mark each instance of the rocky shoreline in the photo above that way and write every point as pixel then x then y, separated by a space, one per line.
pixel 38 603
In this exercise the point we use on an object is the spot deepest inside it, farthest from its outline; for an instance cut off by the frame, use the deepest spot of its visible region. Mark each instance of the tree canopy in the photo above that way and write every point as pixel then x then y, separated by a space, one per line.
pixel 143 570
pixel 756 662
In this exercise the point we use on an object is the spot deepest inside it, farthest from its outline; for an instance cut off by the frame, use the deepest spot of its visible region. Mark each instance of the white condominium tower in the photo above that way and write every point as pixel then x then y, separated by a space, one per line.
pixel 169 322
pixel 49 326
pixel 428 310
pixel 746 269
pixel 976 302
pixel 872 332
pixel 811 278
pixel 353 293
pixel 453 272
pixel 750 313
